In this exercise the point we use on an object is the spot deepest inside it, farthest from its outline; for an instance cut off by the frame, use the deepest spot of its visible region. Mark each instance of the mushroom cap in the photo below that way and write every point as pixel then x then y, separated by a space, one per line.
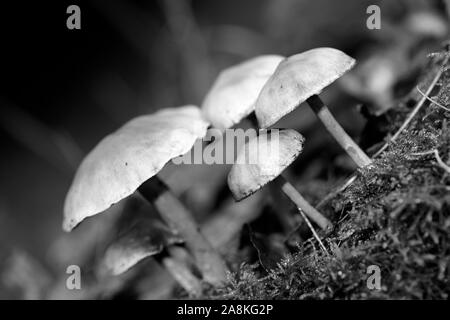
pixel 125 159
pixel 247 177
pixel 144 239
pixel 232 96
pixel 297 78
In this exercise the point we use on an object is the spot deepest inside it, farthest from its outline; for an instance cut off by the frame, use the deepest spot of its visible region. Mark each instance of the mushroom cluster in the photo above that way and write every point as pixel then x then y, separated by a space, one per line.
pixel 300 78
pixel 127 162
pixel 275 86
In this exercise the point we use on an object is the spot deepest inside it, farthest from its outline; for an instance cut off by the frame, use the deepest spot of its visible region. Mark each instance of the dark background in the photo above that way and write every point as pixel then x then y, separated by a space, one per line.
pixel 63 90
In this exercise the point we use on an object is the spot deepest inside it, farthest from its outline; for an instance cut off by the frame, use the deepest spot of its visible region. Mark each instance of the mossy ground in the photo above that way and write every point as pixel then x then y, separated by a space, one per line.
pixel 396 215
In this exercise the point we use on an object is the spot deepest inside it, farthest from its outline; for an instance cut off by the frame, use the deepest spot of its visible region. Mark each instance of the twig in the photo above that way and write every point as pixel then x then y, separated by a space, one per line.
pixel 439 160
pixel 416 108
pixel 431 100
pixel 313 231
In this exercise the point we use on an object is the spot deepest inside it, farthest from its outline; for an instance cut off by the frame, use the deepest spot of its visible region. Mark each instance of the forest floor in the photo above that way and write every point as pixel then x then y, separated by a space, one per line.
pixel 395 216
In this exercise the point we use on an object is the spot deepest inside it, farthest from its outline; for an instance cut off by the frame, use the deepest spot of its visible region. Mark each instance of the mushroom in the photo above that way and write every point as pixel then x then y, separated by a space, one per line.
pixel 145 238
pixel 233 94
pixel 232 98
pixel 246 177
pixel 300 78
pixel 129 160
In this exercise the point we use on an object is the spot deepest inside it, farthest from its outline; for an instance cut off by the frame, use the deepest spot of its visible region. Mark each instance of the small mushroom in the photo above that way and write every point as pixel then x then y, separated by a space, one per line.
pixel 233 95
pixel 146 238
pixel 300 78
pixel 246 177
pixel 128 160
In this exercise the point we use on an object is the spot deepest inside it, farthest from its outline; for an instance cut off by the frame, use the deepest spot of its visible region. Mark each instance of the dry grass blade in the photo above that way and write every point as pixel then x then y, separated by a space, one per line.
pixel 439 160
pixel 313 231
pixel 432 101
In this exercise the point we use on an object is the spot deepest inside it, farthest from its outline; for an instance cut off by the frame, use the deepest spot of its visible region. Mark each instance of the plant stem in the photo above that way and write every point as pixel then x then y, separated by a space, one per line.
pixel 304 205
pixel 209 262
pixel 335 129
pixel 181 272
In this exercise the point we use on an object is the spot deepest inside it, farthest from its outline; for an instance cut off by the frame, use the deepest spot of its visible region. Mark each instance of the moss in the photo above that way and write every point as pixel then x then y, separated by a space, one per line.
pixel 396 215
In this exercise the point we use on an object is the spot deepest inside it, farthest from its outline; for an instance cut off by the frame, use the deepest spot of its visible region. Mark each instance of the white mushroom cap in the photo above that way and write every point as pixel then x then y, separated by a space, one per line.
pixel 296 79
pixel 124 160
pixel 144 239
pixel 246 177
pixel 233 94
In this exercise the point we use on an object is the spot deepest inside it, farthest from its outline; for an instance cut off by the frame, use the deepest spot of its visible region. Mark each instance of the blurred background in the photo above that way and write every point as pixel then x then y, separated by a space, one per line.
pixel 63 90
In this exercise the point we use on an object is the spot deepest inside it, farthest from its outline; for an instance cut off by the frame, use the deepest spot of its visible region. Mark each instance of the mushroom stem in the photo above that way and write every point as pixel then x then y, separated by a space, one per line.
pixel 181 272
pixel 209 262
pixel 335 129
pixel 304 205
